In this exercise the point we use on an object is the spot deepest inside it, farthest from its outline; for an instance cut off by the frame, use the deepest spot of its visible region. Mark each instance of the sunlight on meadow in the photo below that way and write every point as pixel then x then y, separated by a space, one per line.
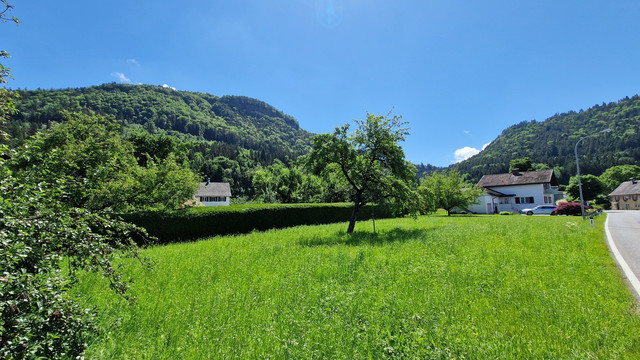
pixel 436 287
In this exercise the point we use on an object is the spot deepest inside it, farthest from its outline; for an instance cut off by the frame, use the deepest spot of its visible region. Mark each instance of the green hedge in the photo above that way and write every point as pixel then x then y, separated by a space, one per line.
pixel 194 223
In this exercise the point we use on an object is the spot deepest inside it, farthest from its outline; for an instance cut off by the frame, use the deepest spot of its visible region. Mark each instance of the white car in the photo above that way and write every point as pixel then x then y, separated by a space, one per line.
pixel 541 210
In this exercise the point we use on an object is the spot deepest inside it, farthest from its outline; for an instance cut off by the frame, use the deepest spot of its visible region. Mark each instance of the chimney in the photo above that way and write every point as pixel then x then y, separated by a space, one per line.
pixel 208 181
pixel 515 172
pixel 633 181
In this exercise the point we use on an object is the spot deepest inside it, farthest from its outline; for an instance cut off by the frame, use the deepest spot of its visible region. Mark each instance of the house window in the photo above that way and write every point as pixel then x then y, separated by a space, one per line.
pixel 547 186
pixel 635 197
pixel 505 200
pixel 524 200
pixel 213 198
pixel 548 199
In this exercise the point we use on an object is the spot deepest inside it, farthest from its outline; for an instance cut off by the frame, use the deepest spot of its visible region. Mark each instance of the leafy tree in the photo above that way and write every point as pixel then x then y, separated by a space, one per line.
pixel 7 107
pixel 4 12
pixel 39 233
pixel 279 183
pixel 335 187
pixel 540 166
pixel 156 146
pixel 42 228
pixel 447 190
pixel 370 159
pixel 163 183
pixel 100 168
pixel 591 187
pixel 523 164
pixel 616 175
pixel 553 141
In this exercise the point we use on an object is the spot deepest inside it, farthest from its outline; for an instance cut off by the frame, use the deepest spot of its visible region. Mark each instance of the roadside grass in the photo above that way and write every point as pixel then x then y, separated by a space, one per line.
pixel 468 287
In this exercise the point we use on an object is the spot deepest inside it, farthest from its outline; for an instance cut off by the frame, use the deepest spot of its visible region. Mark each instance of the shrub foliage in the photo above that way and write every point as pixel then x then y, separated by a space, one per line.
pixel 570 208
pixel 194 223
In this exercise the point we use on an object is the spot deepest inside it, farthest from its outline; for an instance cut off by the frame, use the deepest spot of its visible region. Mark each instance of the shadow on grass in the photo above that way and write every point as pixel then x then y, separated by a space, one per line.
pixel 364 238
pixel 452 215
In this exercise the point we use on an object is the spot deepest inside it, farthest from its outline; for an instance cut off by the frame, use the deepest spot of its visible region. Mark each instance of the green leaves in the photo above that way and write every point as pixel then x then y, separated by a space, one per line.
pixel 100 169
pixel 370 159
pixel 56 194
pixel 447 191
pixel 38 234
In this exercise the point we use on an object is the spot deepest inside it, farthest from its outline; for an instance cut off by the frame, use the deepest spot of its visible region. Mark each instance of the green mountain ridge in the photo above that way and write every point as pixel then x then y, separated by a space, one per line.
pixel 252 132
pixel 238 121
pixel 552 142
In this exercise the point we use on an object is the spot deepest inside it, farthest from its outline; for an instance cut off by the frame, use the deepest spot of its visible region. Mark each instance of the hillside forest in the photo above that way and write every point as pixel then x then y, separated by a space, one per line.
pixel 551 143
pixel 255 147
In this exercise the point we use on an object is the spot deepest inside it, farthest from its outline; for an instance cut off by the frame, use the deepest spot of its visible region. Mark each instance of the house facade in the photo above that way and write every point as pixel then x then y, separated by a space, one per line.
pixel 516 191
pixel 626 196
pixel 214 193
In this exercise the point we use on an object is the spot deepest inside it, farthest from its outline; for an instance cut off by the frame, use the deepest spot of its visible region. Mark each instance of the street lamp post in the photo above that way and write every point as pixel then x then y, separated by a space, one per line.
pixel 578 168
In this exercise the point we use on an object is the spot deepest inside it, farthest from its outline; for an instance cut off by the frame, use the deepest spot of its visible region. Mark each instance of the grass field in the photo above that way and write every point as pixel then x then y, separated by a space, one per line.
pixel 477 287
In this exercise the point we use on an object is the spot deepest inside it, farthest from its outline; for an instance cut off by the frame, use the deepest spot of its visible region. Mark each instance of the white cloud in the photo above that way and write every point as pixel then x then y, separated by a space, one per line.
pixel 121 77
pixel 168 87
pixel 467 132
pixel 465 153
pixel 133 62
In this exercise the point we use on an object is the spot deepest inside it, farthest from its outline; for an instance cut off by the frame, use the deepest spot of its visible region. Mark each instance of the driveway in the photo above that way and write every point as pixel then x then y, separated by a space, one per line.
pixel 623 235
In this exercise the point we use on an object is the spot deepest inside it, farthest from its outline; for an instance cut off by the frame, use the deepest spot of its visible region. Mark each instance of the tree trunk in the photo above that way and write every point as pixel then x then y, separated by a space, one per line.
pixel 354 215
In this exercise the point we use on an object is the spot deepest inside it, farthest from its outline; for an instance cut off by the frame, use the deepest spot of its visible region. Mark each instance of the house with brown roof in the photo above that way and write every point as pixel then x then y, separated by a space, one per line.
pixel 626 196
pixel 516 191
pixel 214 193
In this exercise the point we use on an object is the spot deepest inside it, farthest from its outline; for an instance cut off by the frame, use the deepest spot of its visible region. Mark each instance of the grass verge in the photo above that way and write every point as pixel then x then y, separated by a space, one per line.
pixel 472 287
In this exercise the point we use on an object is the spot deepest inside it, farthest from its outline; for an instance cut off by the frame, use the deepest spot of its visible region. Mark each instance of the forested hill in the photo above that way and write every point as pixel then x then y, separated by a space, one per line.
pixel 231 121
pixel 552 142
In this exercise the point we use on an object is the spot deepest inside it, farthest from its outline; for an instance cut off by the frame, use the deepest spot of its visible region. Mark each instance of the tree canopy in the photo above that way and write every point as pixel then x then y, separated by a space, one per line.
pixel 616 175
pixel 552 142
pixel 447 190
pixel 57 194
pixel 100 168
pixel 591 188
pixel 370 159
pixel 523 164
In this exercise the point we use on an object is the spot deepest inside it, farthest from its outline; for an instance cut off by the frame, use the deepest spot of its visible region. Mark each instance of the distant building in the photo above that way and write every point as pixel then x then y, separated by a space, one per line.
pixel 214 193
pixel 625 196
pixel 516 191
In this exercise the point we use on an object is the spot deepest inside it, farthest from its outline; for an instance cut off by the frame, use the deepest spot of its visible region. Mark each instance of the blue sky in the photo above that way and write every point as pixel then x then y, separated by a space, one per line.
pixel 459 71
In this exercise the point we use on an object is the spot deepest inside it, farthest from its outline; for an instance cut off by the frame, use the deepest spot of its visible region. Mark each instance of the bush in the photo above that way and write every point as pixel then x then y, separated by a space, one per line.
pixel 505 213
pixel 570 208
pixel 193 223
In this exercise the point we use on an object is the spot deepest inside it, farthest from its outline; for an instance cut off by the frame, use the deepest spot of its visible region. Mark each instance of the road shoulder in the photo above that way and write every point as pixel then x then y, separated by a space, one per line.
pixel 626 270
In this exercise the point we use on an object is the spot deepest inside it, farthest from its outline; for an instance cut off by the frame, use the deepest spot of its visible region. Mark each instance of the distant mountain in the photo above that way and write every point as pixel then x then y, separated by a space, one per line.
pixel 238 121
pixel 552 142
pixel 248 131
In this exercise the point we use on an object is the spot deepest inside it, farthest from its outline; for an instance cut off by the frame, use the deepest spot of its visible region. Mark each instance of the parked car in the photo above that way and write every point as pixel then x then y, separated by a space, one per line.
pixel 541 210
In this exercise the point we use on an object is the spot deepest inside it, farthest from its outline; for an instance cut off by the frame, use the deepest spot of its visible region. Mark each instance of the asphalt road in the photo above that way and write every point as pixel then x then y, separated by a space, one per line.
pixel 623 231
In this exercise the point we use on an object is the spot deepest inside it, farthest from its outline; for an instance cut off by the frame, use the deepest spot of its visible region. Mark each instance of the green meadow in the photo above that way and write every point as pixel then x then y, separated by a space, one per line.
pixel 435 287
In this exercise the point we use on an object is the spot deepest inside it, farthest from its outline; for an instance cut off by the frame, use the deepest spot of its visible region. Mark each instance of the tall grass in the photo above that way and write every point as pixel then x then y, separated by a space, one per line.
pixel 472 287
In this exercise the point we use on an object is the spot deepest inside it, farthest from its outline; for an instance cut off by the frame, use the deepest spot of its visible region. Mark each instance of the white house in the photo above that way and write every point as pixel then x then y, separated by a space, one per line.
pixel 516 191
pixel 214 193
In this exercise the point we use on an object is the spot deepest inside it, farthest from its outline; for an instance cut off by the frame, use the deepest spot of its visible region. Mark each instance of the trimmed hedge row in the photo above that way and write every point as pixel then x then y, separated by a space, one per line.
pixel 194 223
